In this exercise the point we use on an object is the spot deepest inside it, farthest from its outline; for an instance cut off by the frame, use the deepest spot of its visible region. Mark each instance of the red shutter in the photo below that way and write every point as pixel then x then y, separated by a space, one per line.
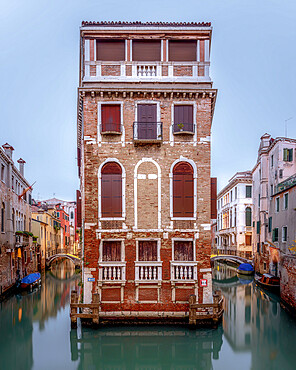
pixel 183 114
pixel 111 251
pixel 147 251
pixel 182 50
pixel 213 197
pixel 146 50
pixel 183 190
pixel 110 114
pixel 111 190
pixel 78 204
pixel 183 250
pixel 110 50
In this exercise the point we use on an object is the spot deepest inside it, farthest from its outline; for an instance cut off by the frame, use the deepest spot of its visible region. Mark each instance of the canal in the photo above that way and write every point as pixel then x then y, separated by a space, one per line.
pixel 35 333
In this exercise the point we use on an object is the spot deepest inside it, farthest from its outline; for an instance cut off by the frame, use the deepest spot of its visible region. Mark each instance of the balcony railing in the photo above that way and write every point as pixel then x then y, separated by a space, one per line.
pixel 133 71
pixel 148 131
pixel 112 271
pixel 183 128
pixel 183 271
pixel 148 271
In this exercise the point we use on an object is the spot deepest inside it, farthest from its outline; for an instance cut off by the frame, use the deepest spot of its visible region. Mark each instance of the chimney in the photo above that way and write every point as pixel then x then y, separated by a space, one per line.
pixel 21 162
pixel 8 150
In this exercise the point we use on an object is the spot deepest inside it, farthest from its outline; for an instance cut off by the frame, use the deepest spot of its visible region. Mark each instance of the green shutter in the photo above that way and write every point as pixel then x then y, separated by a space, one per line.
pixel 258 227
pixel 285 154
pixel 290 157
pixel 269 224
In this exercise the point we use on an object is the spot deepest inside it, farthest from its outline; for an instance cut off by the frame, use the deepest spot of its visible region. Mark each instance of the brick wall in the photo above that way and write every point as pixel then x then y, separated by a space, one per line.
pixel 167 294
pixel 109 70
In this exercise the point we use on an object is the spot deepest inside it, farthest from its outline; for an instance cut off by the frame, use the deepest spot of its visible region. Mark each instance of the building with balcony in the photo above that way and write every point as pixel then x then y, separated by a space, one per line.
pixel 145 109
pixel 18 256
pixel 234 216
pixel 275 165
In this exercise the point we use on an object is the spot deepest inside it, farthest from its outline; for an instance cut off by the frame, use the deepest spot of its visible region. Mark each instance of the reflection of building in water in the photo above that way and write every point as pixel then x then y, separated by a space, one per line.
pixel 16 333
pixel 223 272
pixel 141 348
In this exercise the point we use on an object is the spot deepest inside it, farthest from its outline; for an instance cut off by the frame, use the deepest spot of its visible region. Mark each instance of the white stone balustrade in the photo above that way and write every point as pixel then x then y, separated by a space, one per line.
pixel 112 271
pixel 183 270
pixel 148 271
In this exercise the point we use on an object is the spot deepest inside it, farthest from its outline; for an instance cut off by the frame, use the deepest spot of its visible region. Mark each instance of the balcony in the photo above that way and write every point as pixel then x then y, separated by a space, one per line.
pixel 112 271
pixel 183 271
pixel 148 271
pixel 146 71
pixel 147 132
pixel 183 128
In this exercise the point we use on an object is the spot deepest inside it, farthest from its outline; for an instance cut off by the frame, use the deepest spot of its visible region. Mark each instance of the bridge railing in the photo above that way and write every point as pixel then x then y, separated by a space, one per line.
pixel 205 311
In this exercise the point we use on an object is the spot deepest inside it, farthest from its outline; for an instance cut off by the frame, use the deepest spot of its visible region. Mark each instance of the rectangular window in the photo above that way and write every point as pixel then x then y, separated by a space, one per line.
pixel 259 200
pixel 275 174
pixel 271 190
pixel 286 200
pixel 248 191
pixel 111 250
pixel 146 50
pixel 235 193
pixel 183 118
pixel 146 124
pixel 110 118
pixel 277 204
pixel 281 174
pixel 182 50
pixel 288 155
pixel 2 172
pixel 269 224
pixel 248 240
pixel 284 233
pixel 272 161
pixel 147 250
pixel 110 50
pixel 275 235
pixel 258 227
pixel 183 250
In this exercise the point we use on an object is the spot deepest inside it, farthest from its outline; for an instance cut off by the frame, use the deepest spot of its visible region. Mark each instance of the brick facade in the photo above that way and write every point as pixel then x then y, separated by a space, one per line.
pixel 130 286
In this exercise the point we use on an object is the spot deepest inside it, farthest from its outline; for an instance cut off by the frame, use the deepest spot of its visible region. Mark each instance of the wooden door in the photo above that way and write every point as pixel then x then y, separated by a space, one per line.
pixel 147 125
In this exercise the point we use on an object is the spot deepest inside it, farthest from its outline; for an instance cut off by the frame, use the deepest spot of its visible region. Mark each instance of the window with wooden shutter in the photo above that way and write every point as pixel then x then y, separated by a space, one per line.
pixel 146 50
pixel 110 118
pixel 182 50
pixel 248 240
pixel 183 190
pixel 110 50
pixel 248 216
pixel 147 250
pixel 183 250
pixel 111 250
pixel 183 118
pixel 111 190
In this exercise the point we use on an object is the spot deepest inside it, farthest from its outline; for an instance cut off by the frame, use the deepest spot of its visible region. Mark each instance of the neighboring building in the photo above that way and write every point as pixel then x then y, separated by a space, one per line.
pixel 282 228
pixel 234 217
pixel 71 237
pixel 39 229
pixel 276 163
pixel 145 109
pixel 17 252
pixel 48 216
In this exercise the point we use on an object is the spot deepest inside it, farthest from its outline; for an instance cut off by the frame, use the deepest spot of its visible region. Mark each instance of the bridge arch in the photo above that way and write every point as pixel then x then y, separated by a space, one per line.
pixel 72 258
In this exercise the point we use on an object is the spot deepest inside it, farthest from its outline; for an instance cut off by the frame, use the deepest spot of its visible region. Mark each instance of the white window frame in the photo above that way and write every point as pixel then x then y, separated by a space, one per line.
pixel 111 240
pixel 123 176
pixel 183 102
pixel 158 240
pixel 184 240
pixel 192 163
pixel 284 241
pixel 122 133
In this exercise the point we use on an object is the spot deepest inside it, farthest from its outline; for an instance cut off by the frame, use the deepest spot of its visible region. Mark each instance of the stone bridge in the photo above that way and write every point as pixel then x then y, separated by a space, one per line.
pixel 76 260
pixel 229 258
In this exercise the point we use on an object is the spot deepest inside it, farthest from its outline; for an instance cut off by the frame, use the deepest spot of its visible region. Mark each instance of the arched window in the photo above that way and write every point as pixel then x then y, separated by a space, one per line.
pixel 183 198
pixel 2 218
pixel 248 216
pixel 111 190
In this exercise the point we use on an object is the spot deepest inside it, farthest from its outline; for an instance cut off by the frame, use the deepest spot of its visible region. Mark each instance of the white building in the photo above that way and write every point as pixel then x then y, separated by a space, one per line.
pixel 234 217
pixel 276 163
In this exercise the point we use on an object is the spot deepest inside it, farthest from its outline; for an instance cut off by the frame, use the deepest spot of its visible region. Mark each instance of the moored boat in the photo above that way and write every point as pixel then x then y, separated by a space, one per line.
pixel 269 282
pixel 245 269
pixel 31 280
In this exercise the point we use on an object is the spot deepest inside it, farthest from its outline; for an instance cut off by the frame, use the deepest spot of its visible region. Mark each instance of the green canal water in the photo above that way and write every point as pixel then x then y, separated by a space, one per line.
pixel 35 333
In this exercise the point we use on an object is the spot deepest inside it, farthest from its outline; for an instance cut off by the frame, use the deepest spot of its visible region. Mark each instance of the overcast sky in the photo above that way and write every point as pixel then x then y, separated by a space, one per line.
pixel 252 65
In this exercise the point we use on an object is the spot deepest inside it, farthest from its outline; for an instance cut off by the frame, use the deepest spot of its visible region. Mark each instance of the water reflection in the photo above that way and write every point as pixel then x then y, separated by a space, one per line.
pixel 255 334
pixel 254 321
pixel 146 348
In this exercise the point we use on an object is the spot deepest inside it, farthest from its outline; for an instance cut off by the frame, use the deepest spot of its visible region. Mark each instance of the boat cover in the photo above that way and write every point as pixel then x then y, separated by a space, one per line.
pixel 29 279
pixel 245 267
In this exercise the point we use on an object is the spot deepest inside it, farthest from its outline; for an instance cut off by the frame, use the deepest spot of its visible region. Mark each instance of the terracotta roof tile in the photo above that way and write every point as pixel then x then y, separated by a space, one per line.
pixel 145 24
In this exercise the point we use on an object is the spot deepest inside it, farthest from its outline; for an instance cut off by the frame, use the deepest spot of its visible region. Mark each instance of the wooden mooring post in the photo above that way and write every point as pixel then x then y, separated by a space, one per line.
pixel 73 309
pixel 192 311
pixel 96 301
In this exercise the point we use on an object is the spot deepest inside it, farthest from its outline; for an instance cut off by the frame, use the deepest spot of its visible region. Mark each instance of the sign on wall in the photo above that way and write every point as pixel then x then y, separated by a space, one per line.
pixel 203 283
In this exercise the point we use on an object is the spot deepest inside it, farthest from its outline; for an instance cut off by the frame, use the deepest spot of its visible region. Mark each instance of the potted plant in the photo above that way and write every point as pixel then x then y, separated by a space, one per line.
pixel 180 125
